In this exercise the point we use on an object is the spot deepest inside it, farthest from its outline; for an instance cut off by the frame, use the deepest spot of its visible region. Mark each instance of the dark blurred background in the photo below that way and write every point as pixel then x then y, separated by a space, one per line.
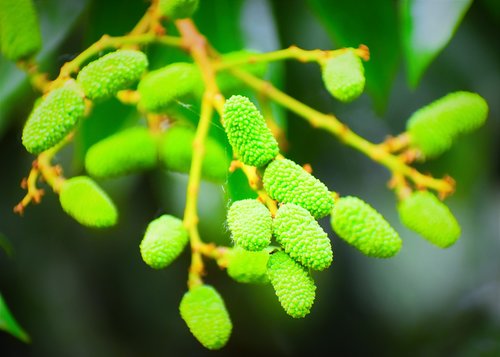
pixel 83 292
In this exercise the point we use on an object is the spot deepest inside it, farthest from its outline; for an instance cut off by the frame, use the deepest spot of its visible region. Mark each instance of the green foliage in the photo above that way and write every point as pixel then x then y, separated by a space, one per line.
pixel 230 84
pixel 302 237
pixel 87 203
pixel 292 283
pixel 178 9
pixel 9 324
pixel 248 267
pixel 20 35
pixel 111 73
pixel 425 214
pixel 164 240
pixel 247 132
pixel 53 118
pixel 287 182
pixel 344 76
pixel 203 310
pixel 250 224
pixel 127 151
pixel 360 225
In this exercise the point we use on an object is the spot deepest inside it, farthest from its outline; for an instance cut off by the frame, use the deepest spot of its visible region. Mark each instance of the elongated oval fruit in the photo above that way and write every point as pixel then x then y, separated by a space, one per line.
pixel 248 267
pixel 163 242
pixel 118 70
pixel 250 224
pixel 161 89
pixel 360 225
pixel 19 29
pixel 177 9
pixel 205 313
pixel 228 83
pixel 54 118
pixel 344 76
pixel 301 237
pixel 434 128
pixel 128 151
pixel 247 132
pixel 287 182
pixel 86 202
pixel 292 283
pixel 425 214
pixel 176 151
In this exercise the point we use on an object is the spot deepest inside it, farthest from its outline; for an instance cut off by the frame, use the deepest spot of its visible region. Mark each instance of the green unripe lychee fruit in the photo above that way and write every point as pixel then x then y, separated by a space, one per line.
pixel 250 224
pixel 163 242
pixel 176 152
pixel 19 29
pixel 54 118
pixel 248 267
pixel 247 132
pixel 205 313
pixel 344 76
pixel 128 151
pixel 301 237
pixel 228 83
pixel 118 70
pixel 177 9
pixel 425 214
pixel 287 182
pixel 360 225
pixel 292 283
pixel 86 202
pixel 433 128
pixel 161 89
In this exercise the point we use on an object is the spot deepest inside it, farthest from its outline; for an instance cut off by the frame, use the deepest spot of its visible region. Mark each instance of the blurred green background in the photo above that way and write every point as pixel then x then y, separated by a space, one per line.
pixel 82 292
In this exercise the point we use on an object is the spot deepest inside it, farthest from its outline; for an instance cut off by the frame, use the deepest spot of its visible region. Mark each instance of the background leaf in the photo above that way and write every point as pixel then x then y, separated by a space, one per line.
pixel 427 27
pixel 9 324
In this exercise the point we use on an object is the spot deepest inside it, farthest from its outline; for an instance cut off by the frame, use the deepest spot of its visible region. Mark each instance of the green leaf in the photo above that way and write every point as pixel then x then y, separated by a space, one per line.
pixel 5 245
pixel 373 23
pixel 9 324
pixel 427 27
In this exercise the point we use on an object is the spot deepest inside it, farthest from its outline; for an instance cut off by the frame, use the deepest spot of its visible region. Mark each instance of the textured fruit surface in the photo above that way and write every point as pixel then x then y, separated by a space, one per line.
pixel 247 132
pixel 344 76
pixel 164 87
pixel 19 29
pixel 86 202
pixel 434 127
pixel 248 267
pixel 360 225
pixel 227 83
pixel 128 151
pixel 287 182
pixel 292 283
pixel 176 152
pixel 205 313
pixel 177 9
pixel 301 237
pixel 53 119
pixel 425 214
pixel 111 73
pixel 250 224
pixel 164 240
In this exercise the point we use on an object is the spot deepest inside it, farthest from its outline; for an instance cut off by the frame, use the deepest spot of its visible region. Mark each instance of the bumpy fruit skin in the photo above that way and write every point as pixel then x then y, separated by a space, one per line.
pixel 205 313
pixel 360 225
pixel 433 128
pixel 177 9
pixel 344 76
pixel 128 151
pixel 86 202
pixel 163 242
pixel 247 132
pixel 53 119
pixel 113 72
pixel 250 224
pixel 425 214
pixel 287 182
pixel 292 283
pixel 176 151
pixel 161 89
pixel 227 83
pixel 19 29
pixel 301 237
pixel 248 267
